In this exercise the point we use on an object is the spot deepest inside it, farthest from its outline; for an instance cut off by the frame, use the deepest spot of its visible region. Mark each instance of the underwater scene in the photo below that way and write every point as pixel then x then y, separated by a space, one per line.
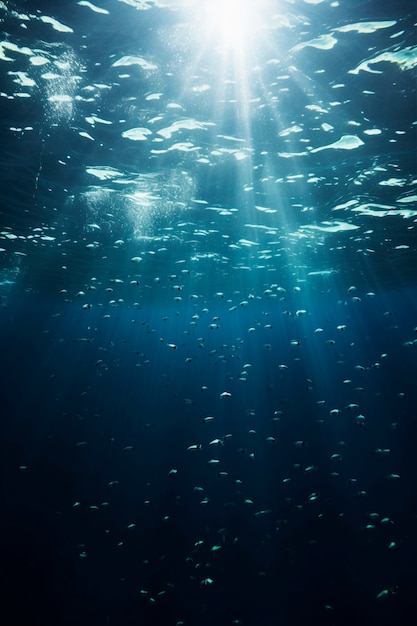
pixel 208 312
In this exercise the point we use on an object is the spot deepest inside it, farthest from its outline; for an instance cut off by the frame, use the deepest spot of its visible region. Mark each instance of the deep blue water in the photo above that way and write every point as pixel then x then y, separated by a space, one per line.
pixel 208 321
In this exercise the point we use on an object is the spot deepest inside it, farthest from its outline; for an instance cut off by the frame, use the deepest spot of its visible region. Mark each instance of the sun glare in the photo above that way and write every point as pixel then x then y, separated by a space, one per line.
pixel 230 22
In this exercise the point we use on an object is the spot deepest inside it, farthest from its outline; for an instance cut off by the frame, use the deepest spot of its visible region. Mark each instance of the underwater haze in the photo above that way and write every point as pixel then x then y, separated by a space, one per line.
pixel 208 312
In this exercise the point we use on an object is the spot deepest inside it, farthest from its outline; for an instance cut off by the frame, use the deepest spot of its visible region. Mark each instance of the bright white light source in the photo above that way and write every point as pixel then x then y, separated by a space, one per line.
pixel 230 21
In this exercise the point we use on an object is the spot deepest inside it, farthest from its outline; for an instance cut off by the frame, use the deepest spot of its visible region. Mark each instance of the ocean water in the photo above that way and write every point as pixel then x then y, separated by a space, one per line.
pixel 208 320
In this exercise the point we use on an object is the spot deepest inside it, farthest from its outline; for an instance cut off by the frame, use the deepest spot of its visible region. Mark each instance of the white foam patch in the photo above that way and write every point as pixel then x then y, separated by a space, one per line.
pixel 345 205
pixel 185 146
pixel 103 173
pixel 323 42
pixel 97 120
pixel 59 98
pixel 393 182
pixel 142 5
pixel 331 227
pixel 186 124
pixel 383 210
pixel 133 60
pixel 405 58
pixel 38 60
pixel 247 243
pixel 290 155
pixel 137 134
pixel 264 209
pixel 86 135
pixel 22 79
pixel 366 27
pixel 8 45
pixel 55 24
pixel 347 142
pixel 408 199
pixel 93 7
